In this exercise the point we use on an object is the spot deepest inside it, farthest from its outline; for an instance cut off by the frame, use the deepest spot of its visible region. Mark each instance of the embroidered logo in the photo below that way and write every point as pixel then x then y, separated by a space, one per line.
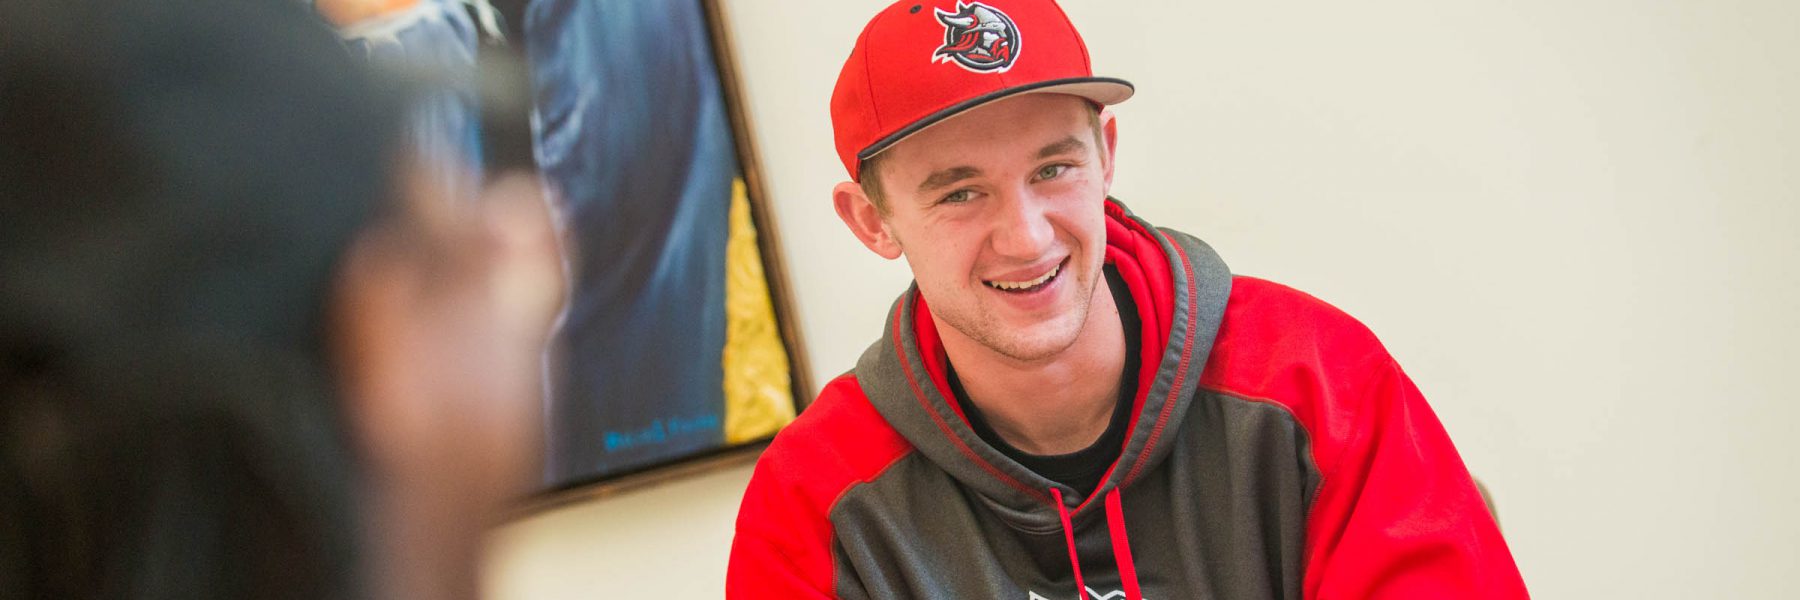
pixel 978 37
pixel 1113 595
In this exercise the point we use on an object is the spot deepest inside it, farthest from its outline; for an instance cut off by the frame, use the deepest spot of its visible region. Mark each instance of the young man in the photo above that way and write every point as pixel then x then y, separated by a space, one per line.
pixel 1071 402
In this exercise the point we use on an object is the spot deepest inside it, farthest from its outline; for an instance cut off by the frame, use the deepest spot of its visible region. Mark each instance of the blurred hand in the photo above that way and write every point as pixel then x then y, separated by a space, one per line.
pixel 444 315
pixel 344 13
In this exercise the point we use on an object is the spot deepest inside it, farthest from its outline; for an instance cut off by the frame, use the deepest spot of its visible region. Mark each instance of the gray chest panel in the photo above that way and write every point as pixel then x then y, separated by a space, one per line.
pixel 1222 516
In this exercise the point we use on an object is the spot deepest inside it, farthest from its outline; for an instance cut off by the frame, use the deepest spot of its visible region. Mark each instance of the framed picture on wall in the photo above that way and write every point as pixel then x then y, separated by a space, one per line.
pixel 677 343
pixel 678 339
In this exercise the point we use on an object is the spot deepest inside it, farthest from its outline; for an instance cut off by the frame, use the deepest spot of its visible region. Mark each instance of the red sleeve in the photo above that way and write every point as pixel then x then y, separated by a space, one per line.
pixel 778 552
pixel 782 549
pixel 1396 514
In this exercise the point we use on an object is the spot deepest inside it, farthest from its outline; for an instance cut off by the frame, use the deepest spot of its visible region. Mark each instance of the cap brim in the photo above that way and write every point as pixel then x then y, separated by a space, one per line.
pixel 1101 90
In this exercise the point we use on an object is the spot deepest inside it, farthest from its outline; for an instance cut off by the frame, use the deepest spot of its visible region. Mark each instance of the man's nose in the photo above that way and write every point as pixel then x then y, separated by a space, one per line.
pixel 1022 229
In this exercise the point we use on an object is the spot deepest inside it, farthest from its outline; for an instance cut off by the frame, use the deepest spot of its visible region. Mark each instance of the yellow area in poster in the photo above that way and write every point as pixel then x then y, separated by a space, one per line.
pixel 759 395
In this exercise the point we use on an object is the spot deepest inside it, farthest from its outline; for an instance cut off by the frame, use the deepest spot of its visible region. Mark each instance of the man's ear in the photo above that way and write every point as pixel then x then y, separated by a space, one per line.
pixel 864 220
pixel 1109 129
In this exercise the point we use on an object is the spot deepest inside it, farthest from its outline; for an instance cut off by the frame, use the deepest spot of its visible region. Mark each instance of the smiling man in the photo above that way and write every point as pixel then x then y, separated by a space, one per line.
pixel 1070 402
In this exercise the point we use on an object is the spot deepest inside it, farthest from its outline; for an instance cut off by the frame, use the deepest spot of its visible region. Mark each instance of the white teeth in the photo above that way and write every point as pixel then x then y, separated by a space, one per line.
pixel 1025 285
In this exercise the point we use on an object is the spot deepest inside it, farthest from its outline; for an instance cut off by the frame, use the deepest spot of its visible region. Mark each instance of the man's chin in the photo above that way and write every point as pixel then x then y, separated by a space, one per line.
pixel 1031 336
pixel 1031 341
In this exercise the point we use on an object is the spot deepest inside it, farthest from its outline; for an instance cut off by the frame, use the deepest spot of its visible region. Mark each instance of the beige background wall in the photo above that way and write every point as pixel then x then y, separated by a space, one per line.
pixel 1573 221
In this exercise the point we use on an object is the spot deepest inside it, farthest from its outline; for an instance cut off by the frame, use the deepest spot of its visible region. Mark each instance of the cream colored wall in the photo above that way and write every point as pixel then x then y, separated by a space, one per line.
pixel 1572 221
pixel 668 541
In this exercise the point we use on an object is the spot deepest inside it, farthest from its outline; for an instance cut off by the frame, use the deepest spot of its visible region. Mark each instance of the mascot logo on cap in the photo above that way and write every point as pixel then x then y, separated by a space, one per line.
pixel 978 37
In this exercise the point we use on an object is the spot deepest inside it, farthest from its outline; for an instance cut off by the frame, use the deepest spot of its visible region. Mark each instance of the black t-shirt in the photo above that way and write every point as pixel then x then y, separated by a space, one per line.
pixel 1081 469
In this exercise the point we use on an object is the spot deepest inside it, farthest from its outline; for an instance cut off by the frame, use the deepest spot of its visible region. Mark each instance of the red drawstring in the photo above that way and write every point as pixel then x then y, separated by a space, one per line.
pixel 1121 545
pixel 1069 537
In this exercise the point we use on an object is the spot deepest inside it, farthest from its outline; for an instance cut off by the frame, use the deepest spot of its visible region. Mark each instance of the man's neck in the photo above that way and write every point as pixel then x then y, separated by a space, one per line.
pixel 1058 405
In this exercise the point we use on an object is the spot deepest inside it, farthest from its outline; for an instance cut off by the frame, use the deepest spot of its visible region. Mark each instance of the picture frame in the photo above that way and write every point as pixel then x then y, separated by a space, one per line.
pixel 561 491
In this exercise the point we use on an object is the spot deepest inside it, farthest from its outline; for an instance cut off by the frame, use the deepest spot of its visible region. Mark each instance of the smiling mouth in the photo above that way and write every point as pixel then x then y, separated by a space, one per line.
pixel 1031 285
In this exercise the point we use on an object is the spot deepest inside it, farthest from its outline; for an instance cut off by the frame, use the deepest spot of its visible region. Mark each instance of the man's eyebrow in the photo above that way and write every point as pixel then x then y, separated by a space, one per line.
pixel 1065 146
pixel 945 177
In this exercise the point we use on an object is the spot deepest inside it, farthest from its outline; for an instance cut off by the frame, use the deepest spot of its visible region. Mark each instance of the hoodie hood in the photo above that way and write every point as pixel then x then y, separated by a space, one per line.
pixel 1180 287
pixel 1283 456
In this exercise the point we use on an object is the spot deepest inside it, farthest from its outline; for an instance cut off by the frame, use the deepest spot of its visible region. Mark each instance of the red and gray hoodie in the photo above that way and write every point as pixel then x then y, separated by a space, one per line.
pixel 1277 451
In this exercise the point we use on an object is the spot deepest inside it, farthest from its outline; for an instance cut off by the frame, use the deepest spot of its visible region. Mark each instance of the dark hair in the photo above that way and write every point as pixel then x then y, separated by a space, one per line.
pixel 178 181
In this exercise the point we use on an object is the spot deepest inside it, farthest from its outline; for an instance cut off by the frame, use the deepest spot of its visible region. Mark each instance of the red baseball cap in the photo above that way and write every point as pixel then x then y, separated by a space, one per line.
pixel 922 61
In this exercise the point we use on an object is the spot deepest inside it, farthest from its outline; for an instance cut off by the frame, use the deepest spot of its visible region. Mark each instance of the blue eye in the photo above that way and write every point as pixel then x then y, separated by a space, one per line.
pixel 955 197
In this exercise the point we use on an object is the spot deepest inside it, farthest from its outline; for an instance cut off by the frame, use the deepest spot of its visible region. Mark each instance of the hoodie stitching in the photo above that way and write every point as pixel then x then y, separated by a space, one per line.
pixel 1312 451
pixel 831 508
pixel 906 365
pixel 1131 224
pixel 1187 353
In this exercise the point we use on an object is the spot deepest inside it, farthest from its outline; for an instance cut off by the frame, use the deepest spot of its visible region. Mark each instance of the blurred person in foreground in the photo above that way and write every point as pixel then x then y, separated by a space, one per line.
pixel 1071 402
pixel 246 350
